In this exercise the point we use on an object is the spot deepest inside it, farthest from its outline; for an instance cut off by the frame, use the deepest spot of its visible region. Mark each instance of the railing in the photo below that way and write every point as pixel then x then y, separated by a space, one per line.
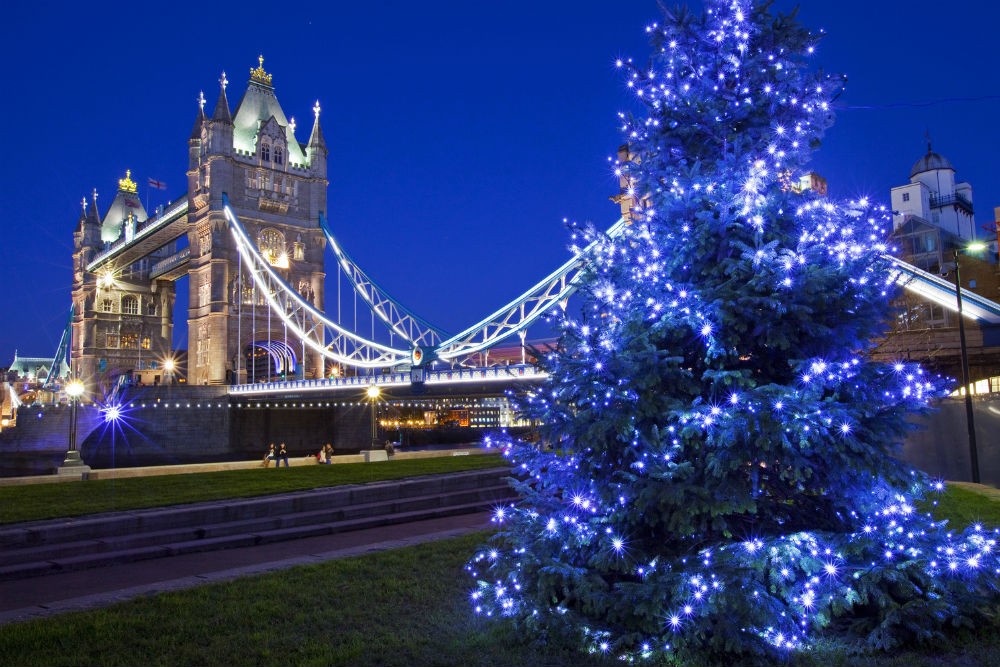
pixel 518 372
pixel 954 199
pixel 168 263
pixel 149 226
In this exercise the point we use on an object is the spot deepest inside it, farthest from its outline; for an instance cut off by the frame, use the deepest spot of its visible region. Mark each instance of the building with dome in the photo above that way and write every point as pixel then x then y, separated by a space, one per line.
pixel 933 216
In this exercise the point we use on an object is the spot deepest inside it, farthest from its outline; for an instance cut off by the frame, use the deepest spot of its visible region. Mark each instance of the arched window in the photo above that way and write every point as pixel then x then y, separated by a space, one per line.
pixel 151 308
pixel 130 305
pixel 279 155
pixel 108 306
pixel 265 152
pixel 271 244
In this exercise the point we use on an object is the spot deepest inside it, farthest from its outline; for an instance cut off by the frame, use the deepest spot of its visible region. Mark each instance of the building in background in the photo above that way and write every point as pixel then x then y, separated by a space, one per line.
pixel 933 216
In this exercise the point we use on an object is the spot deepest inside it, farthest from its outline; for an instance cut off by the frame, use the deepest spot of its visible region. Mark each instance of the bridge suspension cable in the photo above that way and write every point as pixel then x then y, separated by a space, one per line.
pixel 302 319
pixel 401 321
pixel 520 313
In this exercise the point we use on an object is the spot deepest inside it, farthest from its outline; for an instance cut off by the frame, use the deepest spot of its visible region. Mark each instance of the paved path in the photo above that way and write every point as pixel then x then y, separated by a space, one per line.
pixel 39 597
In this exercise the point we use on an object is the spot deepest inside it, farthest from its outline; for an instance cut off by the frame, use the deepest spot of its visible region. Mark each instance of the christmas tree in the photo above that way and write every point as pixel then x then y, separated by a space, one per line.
pixel 715 472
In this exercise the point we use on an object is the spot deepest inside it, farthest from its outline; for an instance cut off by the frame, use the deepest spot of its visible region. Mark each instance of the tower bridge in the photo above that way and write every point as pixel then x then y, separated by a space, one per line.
pixel 251 234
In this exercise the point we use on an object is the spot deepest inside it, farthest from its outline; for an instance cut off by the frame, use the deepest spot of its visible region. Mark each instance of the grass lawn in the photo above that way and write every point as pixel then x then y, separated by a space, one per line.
pixel 403 607
pixel 50 501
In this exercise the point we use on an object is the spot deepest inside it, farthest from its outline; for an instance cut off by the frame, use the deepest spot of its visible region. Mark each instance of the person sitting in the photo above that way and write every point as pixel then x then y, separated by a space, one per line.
pixel 328 453
pixel 268 457
pixel 282 456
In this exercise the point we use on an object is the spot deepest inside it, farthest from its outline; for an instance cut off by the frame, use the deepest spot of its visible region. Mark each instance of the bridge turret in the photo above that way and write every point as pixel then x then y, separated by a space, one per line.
pixel 317 151
pixel 220 140
pixel 194 141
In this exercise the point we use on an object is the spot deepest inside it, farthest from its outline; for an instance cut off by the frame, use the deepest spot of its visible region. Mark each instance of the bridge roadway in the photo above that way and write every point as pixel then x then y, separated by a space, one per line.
pixel 436 379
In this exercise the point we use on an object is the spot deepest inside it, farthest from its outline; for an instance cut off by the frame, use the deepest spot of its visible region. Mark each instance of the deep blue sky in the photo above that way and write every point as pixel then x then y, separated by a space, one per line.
pixel 460 133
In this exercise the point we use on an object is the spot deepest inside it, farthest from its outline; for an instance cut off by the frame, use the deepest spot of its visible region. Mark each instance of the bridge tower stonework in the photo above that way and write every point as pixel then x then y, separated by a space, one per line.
pixel 123 307
pixel 277 186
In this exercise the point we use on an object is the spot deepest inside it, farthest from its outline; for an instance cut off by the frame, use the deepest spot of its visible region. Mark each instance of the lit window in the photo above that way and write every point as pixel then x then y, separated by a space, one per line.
pixel 145 342
pixel 130 305
pixel 130 341
pixel 271 244
pixel 112 340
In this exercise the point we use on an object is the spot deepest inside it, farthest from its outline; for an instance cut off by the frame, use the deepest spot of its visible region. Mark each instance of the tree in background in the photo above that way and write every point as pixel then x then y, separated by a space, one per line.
pixel 715 472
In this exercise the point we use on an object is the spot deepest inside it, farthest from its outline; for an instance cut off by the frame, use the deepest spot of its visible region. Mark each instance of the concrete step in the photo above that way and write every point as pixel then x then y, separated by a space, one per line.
pixel 195 532
pixel 39 552
pixel 123 523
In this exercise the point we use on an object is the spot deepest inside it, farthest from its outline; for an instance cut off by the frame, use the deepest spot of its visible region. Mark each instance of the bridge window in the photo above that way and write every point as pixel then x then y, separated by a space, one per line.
pixel 130 305
pixel 151 308
pixel 146 343
pixel 265 152
pixel 271 244
pixel 278 155
pixel 108 306
pixel 111 340
pixel 130 341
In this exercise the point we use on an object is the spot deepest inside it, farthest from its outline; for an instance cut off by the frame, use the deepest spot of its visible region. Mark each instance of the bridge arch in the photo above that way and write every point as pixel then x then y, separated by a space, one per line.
pixel 269 360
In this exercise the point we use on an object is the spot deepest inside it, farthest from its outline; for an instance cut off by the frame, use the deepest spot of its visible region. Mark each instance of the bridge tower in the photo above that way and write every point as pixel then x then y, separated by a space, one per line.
pixel 122 320
pixel 277 187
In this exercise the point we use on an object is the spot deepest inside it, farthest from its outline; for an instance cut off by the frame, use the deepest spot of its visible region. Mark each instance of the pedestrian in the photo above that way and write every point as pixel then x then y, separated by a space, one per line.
pixel 328 452
pixel 268 457
pixel 282 456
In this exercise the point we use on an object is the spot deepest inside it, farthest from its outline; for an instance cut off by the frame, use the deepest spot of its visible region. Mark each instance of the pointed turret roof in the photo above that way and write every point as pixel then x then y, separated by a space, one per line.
pixel 126 203
pixel 200 118
pixel 316 138
pixel 221 112
pixel 92 215
pixel 257 107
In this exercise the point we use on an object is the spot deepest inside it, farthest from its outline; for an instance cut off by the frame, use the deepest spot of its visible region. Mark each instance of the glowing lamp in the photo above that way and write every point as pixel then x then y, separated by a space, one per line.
pixel 373 392
pixel 169 365
pixel 74 389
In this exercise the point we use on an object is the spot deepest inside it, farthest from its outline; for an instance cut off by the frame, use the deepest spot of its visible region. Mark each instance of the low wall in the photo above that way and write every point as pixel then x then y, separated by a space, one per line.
pixel 940 446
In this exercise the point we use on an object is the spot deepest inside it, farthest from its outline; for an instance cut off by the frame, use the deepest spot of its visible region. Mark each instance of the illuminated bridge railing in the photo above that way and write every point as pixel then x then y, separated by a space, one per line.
pixel 359 383
pixel 170 214
pixel 165 265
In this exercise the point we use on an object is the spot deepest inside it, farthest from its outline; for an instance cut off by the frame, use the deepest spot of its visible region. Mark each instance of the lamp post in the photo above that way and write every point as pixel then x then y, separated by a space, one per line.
pixel 966 384
pixel 72 463
pixel 373 394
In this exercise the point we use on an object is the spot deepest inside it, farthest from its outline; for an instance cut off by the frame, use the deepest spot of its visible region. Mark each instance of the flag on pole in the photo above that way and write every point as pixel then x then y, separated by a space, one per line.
pixel 159 185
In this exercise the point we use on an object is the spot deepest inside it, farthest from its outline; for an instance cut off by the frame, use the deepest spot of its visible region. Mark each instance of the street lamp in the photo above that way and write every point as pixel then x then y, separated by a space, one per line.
pixel 168 370
pixel 373 394
pixel 72 463
pixel 970 419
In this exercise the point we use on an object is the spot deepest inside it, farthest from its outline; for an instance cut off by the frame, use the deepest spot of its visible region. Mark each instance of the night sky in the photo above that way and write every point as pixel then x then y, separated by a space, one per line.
pixel 460 133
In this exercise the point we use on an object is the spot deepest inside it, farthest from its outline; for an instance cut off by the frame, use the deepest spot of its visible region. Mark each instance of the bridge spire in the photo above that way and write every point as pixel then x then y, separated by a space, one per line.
pixel 200 118
pixel 222 106
pixel 317 144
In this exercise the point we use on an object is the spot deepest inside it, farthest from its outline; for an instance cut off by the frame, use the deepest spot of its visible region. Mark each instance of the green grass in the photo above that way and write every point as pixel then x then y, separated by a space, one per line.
pixel 403 607
pixel 395 608
pixel 50 501
pixel 963 506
